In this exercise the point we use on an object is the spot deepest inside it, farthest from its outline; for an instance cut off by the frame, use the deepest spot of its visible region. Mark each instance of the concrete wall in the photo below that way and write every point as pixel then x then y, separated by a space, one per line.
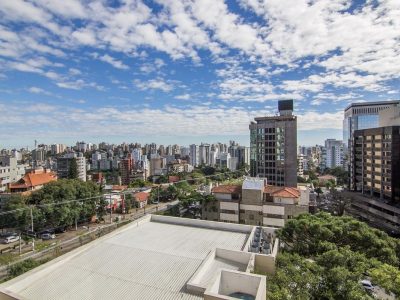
pixel 229 282
pixel 274 209
pixel 266 263
pixel 273 222
pixel 202 223
pixel 254 197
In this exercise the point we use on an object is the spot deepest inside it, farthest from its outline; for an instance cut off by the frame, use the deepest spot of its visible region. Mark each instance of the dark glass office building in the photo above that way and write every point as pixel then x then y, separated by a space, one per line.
pixel 273 147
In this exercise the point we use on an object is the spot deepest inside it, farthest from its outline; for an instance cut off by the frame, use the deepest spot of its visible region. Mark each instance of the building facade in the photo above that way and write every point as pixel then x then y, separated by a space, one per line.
pixel 334 153
pixel 255 203
pixel 64 164
pixel 10 171
pixel 273 147
pixel 358 116
pixel 376 162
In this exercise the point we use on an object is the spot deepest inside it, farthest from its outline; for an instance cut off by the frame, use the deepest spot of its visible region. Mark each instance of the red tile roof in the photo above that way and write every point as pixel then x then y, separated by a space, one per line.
pixel 282 191
pixel 34 179
pixel 227 189
pixel 142 196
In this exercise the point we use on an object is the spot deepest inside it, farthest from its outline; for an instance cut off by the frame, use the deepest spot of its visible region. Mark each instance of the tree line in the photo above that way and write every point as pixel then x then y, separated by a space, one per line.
pixel 326 257
pixel 48 207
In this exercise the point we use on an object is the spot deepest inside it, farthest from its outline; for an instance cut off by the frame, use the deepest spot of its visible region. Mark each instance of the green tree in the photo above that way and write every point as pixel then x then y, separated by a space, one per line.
pixel 137 183
pixel 388 277
pixel 73 169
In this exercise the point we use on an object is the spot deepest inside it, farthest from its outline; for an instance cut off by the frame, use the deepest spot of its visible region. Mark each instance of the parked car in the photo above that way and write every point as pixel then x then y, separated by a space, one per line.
pixel 367 285
pixel 11 239
pixel 60 230
pixel 48 236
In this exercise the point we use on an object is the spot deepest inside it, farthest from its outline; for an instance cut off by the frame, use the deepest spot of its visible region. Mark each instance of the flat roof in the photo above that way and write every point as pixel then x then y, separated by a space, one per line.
pixel 152 258
pixel 371 103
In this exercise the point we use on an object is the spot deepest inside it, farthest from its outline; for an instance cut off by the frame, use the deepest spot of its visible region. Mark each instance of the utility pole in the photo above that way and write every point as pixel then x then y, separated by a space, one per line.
pixel 110 211
pixel 33 238
pixel 20 243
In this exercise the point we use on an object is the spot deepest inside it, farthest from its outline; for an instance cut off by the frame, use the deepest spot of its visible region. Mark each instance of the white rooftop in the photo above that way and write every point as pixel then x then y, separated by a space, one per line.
pixel 148 259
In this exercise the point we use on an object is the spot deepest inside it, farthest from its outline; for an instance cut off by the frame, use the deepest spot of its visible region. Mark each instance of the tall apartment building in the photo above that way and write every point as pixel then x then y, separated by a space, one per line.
pixel 376 159
pixel 359 116
pixel 126 166
pixel 194 155
pixel 273 147
pixel 64 163
pixel 57 149
pixel 256 203
pixel 334 154
pixel 376 175
pixel 204 154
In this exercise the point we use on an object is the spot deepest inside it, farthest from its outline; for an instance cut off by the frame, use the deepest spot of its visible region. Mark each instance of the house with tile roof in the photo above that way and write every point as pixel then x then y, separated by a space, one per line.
pixel 33 181
pixel 256 203
pixel 141 199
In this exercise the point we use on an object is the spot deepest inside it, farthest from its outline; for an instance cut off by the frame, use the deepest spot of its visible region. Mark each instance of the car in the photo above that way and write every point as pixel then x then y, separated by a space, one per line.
pixel 367 285
pixel 48 236
pixel 11 239
pixel 60 230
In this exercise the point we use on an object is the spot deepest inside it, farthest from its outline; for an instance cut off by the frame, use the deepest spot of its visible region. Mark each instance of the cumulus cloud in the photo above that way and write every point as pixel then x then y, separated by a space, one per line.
pixel 114 62
pixel 154 84
pixel 195 120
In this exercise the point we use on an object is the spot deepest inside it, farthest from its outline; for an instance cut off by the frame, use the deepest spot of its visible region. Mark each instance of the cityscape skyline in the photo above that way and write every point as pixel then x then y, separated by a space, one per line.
pixel 155 69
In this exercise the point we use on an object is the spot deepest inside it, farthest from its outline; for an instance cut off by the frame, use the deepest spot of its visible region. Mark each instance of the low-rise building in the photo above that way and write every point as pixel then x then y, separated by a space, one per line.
pixel 33 181
pixel 10 171
pixel 324 179
pixel 141 199
pixel 158 257
pixel 256 203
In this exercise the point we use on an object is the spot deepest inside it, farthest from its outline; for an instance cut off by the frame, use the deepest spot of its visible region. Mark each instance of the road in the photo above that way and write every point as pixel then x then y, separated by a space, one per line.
pixel 71 234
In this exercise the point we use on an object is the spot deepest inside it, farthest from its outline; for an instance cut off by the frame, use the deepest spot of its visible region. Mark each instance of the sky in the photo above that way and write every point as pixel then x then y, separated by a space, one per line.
pixel 189 71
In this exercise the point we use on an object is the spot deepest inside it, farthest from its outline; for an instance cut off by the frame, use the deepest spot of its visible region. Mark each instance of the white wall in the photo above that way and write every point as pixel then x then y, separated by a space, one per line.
pixel 273 222
pixel 273 209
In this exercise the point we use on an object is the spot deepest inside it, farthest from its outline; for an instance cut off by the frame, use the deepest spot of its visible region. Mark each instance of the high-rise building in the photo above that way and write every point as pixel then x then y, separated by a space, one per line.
pixel 359 116
pixel 194 155
pixel 273 147
pixel 204 154
pixel 389 117
pixel 376 174
pixel 334 154
pixel 64 164
pixel 376 162
pixel 126 168
pixel 363 115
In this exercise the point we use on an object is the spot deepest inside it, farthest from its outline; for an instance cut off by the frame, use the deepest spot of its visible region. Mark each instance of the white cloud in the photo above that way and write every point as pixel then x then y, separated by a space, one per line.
pixel 114 62
pixel 38 90
pixel 154 84
pixel 183 97
pixel 194 120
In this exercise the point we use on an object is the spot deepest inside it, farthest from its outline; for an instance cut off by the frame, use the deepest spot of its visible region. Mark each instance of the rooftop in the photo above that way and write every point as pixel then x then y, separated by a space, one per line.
pixel 227 189
pixel 281 191
pixel 365 104
pixel 34 179
pixel 152 258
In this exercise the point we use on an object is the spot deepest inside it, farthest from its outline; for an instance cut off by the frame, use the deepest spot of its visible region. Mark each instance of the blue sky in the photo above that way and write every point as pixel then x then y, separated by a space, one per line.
pixel 186 71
